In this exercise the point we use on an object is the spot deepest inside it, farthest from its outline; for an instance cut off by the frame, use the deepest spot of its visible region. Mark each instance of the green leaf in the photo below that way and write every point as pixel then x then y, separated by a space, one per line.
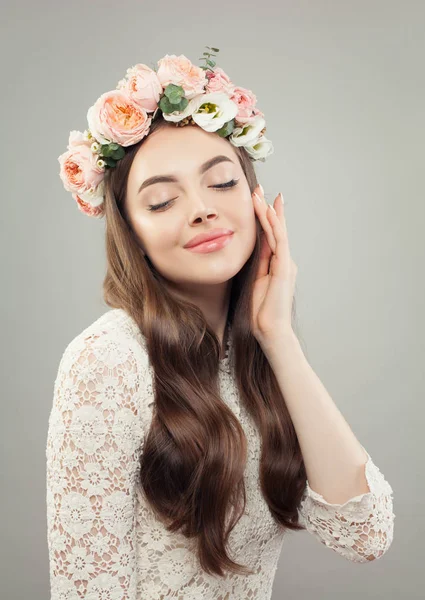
pixel 106 150
pixel 215 49
pixel 118 153
pixel 211 63
pixel 227 128
pixel 165 105
pixel 173 89
pixel 168 107
pixel 112 150
pixel 174 98
pixel 110 161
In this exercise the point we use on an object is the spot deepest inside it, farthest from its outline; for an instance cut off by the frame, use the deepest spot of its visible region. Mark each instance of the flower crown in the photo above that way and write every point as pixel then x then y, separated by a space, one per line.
pixel 179 90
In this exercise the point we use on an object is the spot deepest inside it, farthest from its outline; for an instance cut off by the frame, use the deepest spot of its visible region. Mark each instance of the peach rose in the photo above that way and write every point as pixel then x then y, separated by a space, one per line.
pixel 142 86
pixel 180 71
pixel 88 209
pixel 116 118
pixel 246 101
pixel 78 165
pixel 219 81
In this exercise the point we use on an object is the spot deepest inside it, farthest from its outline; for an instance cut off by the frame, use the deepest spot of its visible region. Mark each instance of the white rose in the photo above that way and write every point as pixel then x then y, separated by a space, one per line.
pixel 260 149
pixel 222 110
pixel 219 111
pixel 248 134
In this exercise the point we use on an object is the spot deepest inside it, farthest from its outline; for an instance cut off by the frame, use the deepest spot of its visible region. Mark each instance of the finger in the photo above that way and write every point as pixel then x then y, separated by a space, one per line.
pixel 279 207
pixel 261 211
pixel 280 234
pixel 265 254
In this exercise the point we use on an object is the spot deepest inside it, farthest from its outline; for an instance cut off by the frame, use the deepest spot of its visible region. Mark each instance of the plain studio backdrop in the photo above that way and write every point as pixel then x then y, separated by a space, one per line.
pixel 342 88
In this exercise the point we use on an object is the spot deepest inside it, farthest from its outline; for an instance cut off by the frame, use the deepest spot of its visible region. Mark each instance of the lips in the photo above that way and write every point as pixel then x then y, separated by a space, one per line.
pixel 207 236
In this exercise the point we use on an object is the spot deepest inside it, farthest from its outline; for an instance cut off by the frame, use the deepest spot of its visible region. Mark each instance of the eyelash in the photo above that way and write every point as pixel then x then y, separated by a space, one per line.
pixel 219 188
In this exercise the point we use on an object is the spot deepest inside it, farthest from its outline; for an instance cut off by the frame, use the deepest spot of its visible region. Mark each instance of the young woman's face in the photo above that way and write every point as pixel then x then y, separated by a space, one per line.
pixel 194 205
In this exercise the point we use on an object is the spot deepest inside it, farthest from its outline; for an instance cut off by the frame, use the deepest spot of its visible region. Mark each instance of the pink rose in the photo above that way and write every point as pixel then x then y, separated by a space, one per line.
pixel 180 71
pixel 247 120
pixel 116 118
pixel 78 169
pixel 245 100
pixel 142 86
pixel 219 81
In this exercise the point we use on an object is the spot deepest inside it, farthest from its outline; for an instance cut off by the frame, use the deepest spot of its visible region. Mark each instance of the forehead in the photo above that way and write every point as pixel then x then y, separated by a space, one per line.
pixel 178 150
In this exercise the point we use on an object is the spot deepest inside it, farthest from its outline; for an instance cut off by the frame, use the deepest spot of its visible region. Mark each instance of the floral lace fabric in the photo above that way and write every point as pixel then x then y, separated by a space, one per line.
pixel 104 541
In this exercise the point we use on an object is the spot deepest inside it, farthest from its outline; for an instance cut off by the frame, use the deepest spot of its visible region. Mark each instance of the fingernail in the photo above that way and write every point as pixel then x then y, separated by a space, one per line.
pixel 261 188
pixel 258 197
pixel 281 198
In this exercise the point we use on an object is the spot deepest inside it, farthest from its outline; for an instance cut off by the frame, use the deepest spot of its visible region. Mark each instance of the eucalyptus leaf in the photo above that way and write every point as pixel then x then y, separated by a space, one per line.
pixel 227 128
pixel 174 98
pixel 173 89
pixel 109 161
pixel 118 153
pixel 104 149
pixel 165 105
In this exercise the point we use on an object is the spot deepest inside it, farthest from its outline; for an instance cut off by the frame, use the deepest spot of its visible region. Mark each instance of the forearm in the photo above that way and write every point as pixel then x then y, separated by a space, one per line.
pixel 333 457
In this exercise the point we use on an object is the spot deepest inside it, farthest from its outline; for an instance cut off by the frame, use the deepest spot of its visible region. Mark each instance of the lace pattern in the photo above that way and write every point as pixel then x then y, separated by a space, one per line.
pixel 360 529
pixel 104 541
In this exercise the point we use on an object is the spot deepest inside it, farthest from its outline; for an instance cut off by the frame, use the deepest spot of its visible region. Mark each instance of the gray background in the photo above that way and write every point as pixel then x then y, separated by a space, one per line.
pixel 342 88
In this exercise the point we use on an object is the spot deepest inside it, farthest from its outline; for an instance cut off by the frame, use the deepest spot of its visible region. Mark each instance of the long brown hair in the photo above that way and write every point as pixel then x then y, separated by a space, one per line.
pixel 194 456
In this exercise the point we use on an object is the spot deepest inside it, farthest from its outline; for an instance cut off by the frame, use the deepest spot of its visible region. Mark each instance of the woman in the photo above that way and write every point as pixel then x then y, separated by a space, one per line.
pixel 187 425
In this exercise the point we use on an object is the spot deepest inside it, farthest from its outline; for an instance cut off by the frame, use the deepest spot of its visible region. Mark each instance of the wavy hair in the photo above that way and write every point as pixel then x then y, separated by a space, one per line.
pixel 194 455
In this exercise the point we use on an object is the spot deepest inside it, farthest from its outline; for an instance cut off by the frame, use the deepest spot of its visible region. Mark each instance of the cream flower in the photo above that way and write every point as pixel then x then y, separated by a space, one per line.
pixel 260 149
pixel 248 134
pixel 209 111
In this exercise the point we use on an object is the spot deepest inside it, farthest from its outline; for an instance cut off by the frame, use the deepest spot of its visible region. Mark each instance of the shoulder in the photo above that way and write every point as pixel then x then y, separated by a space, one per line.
pixel 110 354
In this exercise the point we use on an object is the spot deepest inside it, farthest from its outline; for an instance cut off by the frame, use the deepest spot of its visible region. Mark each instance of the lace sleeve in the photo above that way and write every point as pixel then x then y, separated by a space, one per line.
pixel 362 528
pixel 92 452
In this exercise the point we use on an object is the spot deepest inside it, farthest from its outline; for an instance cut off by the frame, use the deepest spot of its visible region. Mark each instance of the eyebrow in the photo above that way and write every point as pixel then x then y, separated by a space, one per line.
pixel 171 178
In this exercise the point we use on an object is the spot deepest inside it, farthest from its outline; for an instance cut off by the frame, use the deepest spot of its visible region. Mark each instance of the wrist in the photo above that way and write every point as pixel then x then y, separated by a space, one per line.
pixel 283 339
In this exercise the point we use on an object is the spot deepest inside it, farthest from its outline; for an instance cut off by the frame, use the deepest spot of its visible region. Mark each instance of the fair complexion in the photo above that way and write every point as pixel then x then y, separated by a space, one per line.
pixel 194 206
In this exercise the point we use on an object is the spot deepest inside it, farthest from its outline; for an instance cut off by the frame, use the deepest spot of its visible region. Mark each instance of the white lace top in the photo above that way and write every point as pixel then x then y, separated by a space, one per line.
pixel 104 541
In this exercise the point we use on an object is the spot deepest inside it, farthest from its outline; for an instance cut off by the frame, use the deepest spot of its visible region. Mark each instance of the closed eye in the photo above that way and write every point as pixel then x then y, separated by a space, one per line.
pixel 221 187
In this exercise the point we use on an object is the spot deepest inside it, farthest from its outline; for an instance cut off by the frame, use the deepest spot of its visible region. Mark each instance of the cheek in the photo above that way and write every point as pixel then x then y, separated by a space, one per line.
pixel 246 213
pixel 158 233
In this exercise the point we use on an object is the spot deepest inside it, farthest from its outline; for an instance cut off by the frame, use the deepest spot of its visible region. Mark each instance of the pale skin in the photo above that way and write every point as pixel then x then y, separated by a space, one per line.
pixel 333 457
pixel 195 207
